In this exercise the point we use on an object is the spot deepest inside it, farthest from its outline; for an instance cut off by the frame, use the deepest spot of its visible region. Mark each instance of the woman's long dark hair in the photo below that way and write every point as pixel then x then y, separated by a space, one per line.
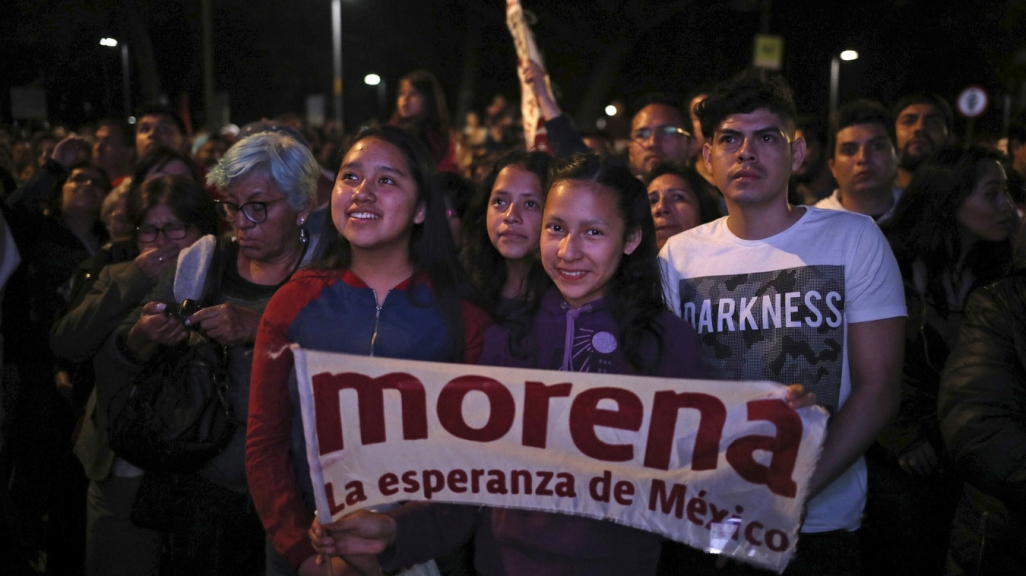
pixel 432 127
pixel 925 225
pixel 486 265
pixel 432 251
pixel 635 293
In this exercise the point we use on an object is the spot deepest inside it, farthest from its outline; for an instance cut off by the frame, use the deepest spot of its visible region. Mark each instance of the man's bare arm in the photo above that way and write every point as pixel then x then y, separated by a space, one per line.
pixel 876 351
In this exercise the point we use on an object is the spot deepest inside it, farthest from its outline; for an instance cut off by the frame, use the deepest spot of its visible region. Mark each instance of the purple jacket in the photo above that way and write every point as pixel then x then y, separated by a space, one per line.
pixel 511 542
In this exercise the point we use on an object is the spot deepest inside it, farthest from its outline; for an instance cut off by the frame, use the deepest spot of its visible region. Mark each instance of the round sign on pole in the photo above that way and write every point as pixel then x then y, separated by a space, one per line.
pixel 972 101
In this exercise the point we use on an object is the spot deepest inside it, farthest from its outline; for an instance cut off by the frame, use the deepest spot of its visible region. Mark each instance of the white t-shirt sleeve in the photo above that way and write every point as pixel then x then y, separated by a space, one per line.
pixel 671 279
pixel 874 286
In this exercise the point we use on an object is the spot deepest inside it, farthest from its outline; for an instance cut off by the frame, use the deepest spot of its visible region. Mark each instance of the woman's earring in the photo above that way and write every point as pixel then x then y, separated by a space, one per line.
pixel 303 237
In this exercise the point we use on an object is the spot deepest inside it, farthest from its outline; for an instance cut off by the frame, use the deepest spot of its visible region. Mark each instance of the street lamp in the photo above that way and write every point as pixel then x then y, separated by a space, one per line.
pixel 835 76
pixel 126 92
pixel 336 41
pixel 373 79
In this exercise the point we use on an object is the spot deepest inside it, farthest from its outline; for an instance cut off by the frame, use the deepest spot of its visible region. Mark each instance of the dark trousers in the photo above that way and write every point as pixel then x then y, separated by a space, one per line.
pixel 908 519
pixel 215 531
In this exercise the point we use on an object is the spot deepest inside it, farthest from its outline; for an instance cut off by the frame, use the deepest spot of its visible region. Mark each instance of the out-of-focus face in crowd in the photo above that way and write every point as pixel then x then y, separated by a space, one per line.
pixel 987 213
pixel 863 159
pixel 675 206
pixel 154 130
pixel 410 102
pixel 657 135
pixel 920 129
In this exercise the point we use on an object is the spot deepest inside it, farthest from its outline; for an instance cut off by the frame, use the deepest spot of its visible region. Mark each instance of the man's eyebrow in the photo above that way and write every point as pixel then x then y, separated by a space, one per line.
pixel 769 130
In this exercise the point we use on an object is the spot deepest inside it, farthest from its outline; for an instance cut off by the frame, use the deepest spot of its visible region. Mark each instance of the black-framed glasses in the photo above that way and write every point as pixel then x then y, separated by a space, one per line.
pixel 256 212
pixel 172 231
pixel 643 134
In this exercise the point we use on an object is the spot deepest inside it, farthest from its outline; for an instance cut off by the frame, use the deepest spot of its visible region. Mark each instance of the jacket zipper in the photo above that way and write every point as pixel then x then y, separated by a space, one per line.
pixel 377 318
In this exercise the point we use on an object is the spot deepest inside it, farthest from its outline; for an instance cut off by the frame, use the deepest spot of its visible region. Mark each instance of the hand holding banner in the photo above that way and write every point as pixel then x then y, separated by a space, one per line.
pixel 719 466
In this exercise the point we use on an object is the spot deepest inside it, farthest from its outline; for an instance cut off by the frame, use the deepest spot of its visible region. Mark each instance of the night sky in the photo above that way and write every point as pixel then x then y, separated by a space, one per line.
pixel 270 55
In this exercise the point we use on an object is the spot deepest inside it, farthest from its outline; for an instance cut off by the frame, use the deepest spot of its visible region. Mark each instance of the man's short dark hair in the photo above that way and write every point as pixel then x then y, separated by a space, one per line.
pixel 656 98
pixel 860 112
pixel 745 93
pixel 121 128
pixel 936 101
pixel 160 110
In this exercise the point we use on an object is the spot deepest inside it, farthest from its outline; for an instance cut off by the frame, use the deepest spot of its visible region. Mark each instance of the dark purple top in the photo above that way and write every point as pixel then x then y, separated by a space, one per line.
pixel 512 542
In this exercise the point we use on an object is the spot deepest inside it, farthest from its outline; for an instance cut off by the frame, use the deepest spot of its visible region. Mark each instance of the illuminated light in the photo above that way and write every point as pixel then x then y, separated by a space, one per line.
pixel 131 119
pixel 849 55
pixel 108 42
pixel 372 79
pixel 610 110
pixel 600 123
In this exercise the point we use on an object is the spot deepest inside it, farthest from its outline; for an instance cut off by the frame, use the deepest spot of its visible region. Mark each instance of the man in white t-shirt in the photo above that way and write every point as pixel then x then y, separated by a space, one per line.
pixel 863 162
pixel 793 294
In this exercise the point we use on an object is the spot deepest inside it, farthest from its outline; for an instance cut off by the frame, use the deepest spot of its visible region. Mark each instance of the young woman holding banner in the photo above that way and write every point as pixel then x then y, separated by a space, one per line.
pixel 388 284
pixel 605 314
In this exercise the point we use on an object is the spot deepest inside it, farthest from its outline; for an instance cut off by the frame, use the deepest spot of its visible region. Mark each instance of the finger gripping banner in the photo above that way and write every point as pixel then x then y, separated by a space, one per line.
pixel 721 466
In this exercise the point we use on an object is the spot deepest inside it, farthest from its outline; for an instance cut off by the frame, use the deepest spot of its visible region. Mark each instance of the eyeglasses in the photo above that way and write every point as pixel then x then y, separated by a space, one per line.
pixel 643 134
pixel 173 231
pixel 256 212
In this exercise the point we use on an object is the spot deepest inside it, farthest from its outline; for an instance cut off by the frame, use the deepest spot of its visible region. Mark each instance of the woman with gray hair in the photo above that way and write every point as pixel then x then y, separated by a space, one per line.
pixel 267 184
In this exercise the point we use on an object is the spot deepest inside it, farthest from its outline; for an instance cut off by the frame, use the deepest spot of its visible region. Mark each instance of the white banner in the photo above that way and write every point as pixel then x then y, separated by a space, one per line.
pixel 716 465
pixel 535 137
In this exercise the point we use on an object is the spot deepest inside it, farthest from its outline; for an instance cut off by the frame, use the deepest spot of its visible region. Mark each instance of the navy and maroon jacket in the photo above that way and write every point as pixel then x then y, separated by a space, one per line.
pixel 333 311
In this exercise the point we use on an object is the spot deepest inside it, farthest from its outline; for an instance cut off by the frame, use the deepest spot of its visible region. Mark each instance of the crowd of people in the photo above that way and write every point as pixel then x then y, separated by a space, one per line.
pixel 892 248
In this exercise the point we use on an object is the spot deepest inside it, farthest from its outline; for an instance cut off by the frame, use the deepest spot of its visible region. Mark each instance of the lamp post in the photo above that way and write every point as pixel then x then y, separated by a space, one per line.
pixel 126 91
pixel 835 76
pixel 336 38
pixel 375 80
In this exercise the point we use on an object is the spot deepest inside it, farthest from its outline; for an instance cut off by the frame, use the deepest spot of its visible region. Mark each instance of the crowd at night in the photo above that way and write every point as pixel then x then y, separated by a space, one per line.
pixel 155 272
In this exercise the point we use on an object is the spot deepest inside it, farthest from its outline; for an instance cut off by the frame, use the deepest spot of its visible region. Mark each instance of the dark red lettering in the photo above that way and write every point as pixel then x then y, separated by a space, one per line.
pixel 666 406
pixel 497 483
pixel 783 448
pixel 717 515
pixel 599 487
pixel 697 507
pixel 333 507
pixel 543 486
pixel 514 481
pixel 750 533
pixel 776 540
pixel 536 410
pixel 387 484
pixel 434 481
pixel 673 501
pixel 457 481
pixel 370 400
pixel 500 416
pixel 585 415
pixel 623 493
pixel 410 482
pixel 475 480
